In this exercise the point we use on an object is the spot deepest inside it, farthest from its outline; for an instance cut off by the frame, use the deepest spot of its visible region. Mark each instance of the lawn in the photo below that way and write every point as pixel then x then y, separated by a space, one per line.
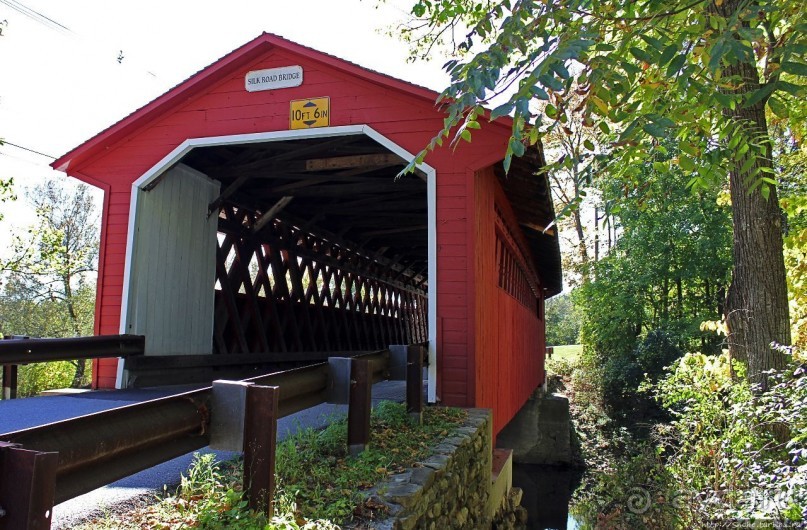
pixel 569 352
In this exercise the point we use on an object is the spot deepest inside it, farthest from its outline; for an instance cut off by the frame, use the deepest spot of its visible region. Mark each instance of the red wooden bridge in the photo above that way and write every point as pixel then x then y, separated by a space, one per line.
pixel 259 225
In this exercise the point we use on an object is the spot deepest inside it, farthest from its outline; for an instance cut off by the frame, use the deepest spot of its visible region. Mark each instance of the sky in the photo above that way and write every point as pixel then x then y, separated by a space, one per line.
pixel 61 80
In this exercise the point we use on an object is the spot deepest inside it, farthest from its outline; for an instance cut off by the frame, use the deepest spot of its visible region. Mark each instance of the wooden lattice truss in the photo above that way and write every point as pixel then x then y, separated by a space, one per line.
pixel 283 289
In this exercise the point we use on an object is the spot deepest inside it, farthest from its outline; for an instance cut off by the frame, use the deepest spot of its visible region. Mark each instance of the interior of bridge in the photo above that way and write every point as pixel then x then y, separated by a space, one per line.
pixel 320 249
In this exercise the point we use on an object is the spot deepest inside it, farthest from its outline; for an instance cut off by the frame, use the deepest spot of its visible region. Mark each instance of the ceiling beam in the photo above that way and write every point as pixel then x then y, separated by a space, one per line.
pixel 356 161
pixel 399 230
pixel 240 181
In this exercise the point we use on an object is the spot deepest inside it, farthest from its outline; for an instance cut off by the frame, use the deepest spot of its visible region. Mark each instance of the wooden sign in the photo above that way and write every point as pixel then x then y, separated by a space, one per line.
pixel 284 77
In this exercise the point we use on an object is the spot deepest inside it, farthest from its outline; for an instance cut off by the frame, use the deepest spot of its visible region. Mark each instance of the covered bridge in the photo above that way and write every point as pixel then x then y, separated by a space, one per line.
pixel 252 213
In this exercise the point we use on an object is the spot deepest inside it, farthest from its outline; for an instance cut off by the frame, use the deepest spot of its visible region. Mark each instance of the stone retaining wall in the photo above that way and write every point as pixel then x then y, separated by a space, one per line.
pixel 451 488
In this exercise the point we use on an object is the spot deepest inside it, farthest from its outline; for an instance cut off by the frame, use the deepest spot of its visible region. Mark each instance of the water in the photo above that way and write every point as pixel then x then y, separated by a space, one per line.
pixel 547 491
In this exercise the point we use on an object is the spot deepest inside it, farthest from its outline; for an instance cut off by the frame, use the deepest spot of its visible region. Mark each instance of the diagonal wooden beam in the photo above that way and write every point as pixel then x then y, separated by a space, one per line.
pixel 270 214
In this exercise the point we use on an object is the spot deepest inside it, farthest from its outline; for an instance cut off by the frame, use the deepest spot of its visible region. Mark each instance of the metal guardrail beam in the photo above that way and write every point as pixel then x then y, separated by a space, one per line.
pixel 23 351
pixel 102 447
pixel 99 448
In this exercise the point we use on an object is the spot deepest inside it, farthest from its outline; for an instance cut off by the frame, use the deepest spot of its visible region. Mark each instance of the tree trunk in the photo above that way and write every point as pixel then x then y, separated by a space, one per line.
pixel 81 364
pixel 756 304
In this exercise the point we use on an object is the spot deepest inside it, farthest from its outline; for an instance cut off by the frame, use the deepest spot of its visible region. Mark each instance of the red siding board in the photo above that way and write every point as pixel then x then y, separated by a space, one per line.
pixel 509 340
pixel 449 251
pixel 456 351
pixel 456 337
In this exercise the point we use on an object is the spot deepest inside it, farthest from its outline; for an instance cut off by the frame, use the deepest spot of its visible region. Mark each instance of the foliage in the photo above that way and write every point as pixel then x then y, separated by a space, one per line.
pixel 562 320
pixel 637 494
pixel 664 276
pixel 794 203
pixel 24 312
pixel 49 291
pixel 6 190
pixel 209 498
pixel 730 455
pixel 21 313
pixel 319 485
pixel 327 484
pixel 651 69
pixel 646 75
pixel 743 453
pixel 38 377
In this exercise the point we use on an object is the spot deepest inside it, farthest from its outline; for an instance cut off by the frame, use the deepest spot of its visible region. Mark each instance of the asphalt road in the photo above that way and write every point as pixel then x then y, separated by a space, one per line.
pixel 23 413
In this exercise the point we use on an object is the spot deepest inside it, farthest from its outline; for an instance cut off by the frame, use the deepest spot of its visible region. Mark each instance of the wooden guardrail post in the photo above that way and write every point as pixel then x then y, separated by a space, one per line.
pixel 27 488
pixel 260 443
pixel 10 374
pixel 414 382
pixel 358 414
pixel 9 381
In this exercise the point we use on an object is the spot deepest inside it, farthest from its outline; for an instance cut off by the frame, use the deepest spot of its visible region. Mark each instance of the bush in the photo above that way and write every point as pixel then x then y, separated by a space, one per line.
pixel 37 377
pixel 625 373
pixel 640 493
pixel 743 454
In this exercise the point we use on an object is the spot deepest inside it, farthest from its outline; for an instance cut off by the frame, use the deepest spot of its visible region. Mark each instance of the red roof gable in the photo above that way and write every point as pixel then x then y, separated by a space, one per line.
pixel 208 76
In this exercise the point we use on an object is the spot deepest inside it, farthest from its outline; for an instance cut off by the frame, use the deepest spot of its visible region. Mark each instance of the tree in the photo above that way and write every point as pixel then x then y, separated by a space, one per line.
pixel 562 320
pixel 568 191
pixel 701 73
pixel 51 266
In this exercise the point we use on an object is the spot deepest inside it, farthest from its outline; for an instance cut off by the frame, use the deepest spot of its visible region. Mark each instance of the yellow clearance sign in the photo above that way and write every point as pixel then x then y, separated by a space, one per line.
pixel 310 113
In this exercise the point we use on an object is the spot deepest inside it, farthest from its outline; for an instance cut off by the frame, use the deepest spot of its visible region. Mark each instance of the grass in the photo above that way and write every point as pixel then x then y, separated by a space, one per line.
pixel 319 485
pixel 567 353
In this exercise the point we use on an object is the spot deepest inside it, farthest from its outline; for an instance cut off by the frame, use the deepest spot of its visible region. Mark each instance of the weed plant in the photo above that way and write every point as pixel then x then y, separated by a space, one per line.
pixel 320 486
pixel 326 483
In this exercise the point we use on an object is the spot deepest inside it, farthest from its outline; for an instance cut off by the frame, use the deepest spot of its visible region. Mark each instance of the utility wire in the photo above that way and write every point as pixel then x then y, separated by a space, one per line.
pixel 4 142
pixel 54 25
pixel 36 15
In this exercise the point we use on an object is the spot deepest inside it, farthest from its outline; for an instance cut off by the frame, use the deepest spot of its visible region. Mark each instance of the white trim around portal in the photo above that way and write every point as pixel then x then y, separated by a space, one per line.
pixel 185 147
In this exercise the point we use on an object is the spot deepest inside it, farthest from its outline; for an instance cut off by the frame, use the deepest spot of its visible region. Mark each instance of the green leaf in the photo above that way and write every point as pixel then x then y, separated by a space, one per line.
pixel 686 163
pixel 724 100
pixel 466 135
pixel 792 67
pixel 778 108
pixel 561 70
pixel 748 164
pixel 667 54
pixel 655 43
pixel 588 144
pixel 675 65
pixel 791 88
pixel 654 129
pixel 502 110
pixel 641 54
pixel 759 95
pixel 539 93
pixel 516 147
pixel 716 54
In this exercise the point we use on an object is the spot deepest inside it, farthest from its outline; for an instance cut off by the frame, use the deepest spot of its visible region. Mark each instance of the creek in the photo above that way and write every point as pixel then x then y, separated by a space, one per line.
pixel 547 493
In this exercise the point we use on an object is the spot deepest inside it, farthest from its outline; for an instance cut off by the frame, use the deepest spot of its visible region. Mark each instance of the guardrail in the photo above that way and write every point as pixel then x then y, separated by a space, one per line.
pixel 17 351
pixel 46 465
